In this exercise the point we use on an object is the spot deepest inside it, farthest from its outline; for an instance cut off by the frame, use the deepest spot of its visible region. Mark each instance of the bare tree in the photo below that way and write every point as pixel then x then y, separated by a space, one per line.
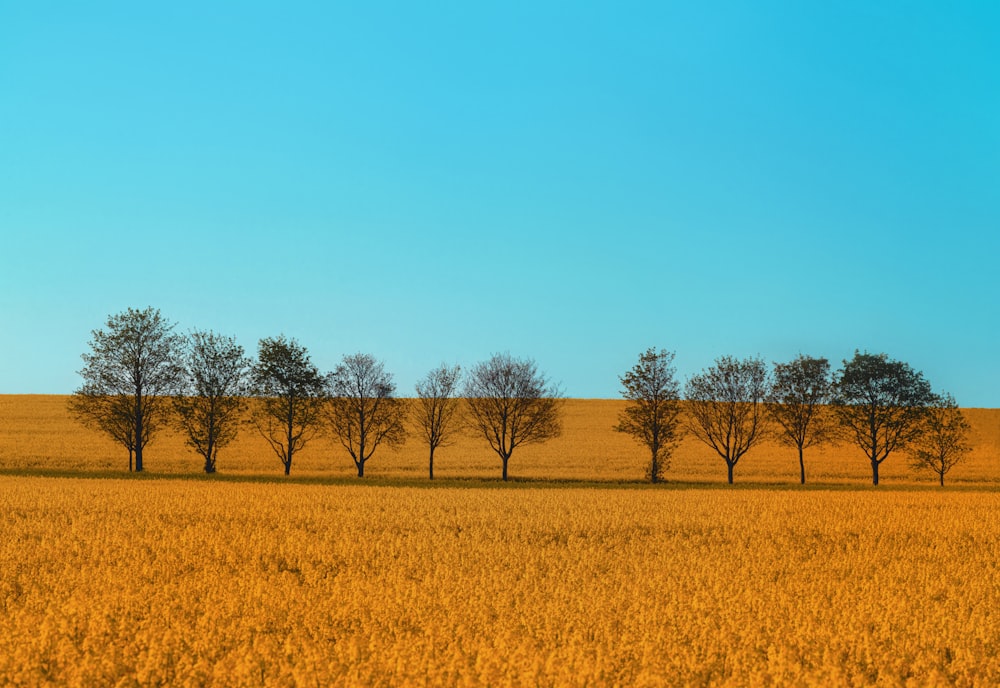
pixel 437 408
pixel 290 394
pixel 363 412
pixel 725 405
pixel 210 409
pixel 128 377
pixel 944 438
pixel 652 415
pixel 798 404
pixel 511 403
pixel 880 405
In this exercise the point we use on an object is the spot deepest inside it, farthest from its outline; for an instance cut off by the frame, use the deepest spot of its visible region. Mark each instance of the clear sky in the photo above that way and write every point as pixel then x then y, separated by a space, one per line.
pixel 570 182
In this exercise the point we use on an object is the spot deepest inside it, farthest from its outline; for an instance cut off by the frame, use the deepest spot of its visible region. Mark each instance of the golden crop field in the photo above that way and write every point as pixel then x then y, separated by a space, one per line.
pixel 577 575
pixel 37 432
pixel 180 582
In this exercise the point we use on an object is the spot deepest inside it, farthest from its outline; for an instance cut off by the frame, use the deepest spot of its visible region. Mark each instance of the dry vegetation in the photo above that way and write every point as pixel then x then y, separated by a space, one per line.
pixel 36 432
pixel 185 582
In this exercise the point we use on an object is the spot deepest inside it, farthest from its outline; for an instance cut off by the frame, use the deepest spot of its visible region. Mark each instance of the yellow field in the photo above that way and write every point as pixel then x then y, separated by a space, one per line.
pixel 179 582
pixel 36 432
pixel 112 580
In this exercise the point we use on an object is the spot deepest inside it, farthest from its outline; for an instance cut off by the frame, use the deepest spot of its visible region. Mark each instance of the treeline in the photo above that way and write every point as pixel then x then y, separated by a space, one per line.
pixel 140 376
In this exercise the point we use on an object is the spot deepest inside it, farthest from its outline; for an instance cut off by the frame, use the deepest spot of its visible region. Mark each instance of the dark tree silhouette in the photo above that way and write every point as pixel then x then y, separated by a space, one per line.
pixel 129 375
pixel 437 406
pixel 511 403
pixel 290 395
pixel 652 415
pixel 944 438
pixel 363 412
pixel 725 406
pixel 114 415
pixel 880 404
pixel 210 408
pixel 798 404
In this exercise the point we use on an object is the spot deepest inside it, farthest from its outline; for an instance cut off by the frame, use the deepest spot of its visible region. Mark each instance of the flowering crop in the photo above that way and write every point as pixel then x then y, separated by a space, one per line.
pixel 125 582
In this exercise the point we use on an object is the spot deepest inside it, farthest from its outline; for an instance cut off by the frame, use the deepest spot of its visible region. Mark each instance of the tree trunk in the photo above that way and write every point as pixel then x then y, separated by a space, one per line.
pixel 361 469
pixel 130 459
pixel 941 475
pixel 802 467
pixel 505 460
pixel 430 470
pixel 730 467
pixel 875 465
pixel 138 429
pixel 288 466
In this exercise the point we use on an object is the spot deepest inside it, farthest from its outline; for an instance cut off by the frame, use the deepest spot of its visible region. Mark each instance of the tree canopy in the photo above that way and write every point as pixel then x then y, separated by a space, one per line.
pixel 797 402
pixel 511 403
pixel 210 407
pixel 652 415
pixel 436 413
pixel 129 375
pixel 880 404
pixel 725 406
pixel 363 411
pixel 289 396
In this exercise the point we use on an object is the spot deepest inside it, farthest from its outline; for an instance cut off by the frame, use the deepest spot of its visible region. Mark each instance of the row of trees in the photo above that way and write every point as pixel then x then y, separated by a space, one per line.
pixel 881 405
pixel 140 375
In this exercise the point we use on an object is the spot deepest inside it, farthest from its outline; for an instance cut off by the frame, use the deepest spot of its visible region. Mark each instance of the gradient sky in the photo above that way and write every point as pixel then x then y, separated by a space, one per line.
pixel 571 182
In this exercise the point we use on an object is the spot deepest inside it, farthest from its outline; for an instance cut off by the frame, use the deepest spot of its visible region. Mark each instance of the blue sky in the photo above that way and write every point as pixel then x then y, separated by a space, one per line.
pixel 571 182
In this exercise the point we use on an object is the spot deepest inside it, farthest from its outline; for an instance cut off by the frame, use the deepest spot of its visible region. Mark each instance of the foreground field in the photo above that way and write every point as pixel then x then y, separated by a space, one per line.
pixel 37 433
pixel 131 582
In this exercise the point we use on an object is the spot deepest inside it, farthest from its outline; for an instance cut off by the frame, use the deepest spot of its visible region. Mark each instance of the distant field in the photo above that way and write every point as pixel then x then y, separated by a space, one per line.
pixel 37 433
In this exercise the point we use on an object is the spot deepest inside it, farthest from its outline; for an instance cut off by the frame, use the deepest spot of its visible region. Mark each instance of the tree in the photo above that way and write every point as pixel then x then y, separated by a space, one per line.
pixel 437 408
pixel 944 438
pixel 880 405
pixel 798 404
pixel 510 403
pixel 128 377
pixel 110 414
pixel 652 415
pixel 210 409
pixel 290 394
pixel 363 411
pixel 725 407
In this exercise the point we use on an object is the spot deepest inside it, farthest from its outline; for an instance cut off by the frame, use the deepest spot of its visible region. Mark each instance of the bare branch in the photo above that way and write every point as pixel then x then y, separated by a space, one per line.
pixel 510 403
pixel 363 411
pixel 725 407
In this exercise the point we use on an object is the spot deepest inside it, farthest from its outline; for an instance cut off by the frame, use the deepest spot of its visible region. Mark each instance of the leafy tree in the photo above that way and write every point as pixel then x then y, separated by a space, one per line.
pixel 511 403
pixel 363 411
pixel 944 438
pixel 129 374
pixel 290 395
pixel 437 408
pixel 798 404
pixel 652 415
pixel 725 406
pixel 210 409
pixel 880 404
